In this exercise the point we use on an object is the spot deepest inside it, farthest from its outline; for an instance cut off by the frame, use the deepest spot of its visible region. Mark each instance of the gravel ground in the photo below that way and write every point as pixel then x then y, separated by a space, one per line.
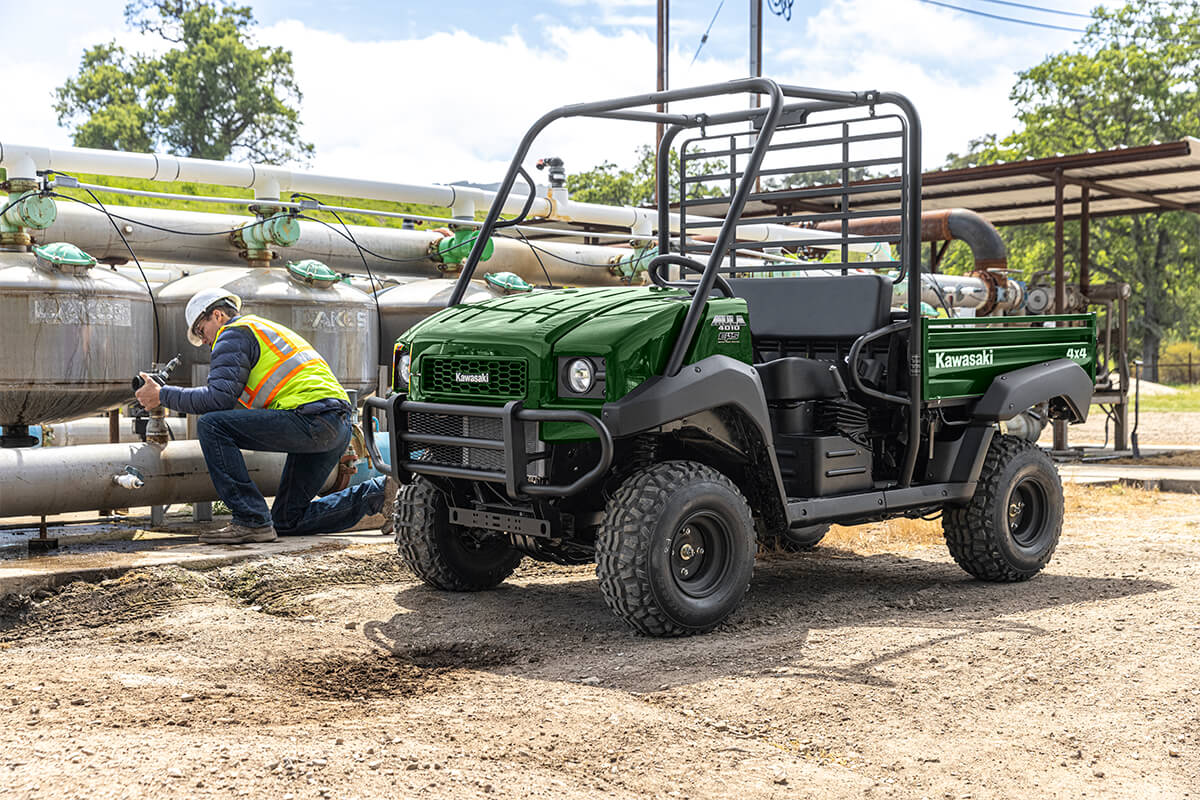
pixel 871 667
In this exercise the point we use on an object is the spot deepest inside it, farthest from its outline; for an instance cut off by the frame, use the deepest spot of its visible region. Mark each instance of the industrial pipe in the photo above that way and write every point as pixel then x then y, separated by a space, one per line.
pixel 95 430
pixel 989 289
pixel 273 182
pixel 36 481
pixel 572 264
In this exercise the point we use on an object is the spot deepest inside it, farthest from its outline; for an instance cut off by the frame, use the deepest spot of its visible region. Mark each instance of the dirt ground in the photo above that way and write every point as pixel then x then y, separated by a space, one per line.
pixel 870 667
pixel 1155 429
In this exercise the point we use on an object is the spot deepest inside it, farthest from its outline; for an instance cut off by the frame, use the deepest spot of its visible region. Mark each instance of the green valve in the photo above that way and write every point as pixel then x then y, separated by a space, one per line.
pixel 280 230
pixel 64 255
pixel 30 210
pixel 453 250
pixel 508 282
pixel 312 272
pixel 628 267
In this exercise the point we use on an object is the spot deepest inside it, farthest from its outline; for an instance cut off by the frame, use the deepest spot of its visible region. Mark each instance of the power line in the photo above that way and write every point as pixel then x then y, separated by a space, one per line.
pixel 707 30
pixel 1004 19
pixel 1041 9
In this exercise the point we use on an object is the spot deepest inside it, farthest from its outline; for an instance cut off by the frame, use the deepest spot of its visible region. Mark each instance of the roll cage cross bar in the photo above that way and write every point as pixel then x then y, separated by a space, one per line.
pixel 765 119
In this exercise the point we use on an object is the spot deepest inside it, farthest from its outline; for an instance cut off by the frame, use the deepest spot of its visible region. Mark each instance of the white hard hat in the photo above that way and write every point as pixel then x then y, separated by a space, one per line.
pixel 199 305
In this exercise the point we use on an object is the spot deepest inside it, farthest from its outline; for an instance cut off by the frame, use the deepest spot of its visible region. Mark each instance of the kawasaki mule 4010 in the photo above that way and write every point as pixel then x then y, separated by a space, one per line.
pixel 661 431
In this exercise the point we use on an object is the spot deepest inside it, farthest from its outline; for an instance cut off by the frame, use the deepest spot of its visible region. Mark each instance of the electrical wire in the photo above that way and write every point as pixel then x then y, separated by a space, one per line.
pixel 124 241
pixel 707 30
pixel 534 250
pixel 1003 19
pixel 1041 9
pixel 370 275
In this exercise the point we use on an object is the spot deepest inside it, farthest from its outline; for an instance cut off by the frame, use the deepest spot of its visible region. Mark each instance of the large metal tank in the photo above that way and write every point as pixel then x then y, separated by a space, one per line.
pixel 71 338
pixel 401 307
pixel 338 320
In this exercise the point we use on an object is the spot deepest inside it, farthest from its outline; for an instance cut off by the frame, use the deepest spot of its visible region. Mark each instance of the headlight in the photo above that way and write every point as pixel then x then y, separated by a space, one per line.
pixel 581 376
pixel 406 368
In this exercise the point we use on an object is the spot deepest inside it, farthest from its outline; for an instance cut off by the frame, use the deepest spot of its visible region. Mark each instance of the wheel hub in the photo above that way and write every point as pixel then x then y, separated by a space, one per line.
pixel 696 548
pixel 1027 510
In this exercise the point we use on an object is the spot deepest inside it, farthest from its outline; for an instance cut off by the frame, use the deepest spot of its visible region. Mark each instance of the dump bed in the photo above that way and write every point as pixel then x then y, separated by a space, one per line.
pixel 962 356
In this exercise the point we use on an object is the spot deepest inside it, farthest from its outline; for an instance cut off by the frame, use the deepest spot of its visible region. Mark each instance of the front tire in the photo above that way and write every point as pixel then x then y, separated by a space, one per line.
pixel 1011 527
pixel 447 556
pixel 675 552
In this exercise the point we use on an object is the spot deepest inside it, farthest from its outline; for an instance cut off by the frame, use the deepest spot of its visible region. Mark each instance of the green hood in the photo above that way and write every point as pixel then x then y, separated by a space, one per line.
pixel 632 329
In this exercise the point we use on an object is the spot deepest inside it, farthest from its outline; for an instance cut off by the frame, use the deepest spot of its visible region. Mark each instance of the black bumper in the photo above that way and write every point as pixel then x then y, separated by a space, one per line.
pixel 511 444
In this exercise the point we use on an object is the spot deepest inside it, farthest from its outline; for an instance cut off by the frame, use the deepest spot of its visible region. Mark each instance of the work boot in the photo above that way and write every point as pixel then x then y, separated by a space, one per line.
pixel 390 488
pixel 239 534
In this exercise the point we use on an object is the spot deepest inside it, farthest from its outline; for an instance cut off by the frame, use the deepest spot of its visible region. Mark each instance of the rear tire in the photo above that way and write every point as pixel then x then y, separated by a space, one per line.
pixel 1011 527
pixel 675 551
pixel 448 556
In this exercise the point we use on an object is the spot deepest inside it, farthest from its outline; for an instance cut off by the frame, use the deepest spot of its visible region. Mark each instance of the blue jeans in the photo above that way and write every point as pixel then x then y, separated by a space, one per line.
pixel 314 444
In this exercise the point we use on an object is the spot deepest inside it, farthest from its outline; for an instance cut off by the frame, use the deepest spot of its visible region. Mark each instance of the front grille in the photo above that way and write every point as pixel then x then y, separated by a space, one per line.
pixel 490 378
pixel 474 428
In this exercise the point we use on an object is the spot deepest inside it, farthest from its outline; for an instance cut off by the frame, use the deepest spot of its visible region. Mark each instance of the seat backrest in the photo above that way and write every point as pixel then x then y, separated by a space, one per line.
pixel 819 307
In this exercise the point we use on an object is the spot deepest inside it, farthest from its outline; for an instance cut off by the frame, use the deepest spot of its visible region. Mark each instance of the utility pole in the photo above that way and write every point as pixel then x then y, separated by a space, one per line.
pixel 755 47
pixel 664 47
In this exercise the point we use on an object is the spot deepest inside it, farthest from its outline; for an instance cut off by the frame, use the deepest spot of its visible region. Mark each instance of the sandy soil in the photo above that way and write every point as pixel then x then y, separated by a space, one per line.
pixel 871 667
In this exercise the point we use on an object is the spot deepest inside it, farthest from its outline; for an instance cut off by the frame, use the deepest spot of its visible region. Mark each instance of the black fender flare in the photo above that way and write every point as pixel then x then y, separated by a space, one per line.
pixel 1062 382
pixel 710 383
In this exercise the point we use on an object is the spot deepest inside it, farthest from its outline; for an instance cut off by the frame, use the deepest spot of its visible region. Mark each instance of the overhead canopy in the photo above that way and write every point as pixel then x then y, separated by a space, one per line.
pixel 1128 180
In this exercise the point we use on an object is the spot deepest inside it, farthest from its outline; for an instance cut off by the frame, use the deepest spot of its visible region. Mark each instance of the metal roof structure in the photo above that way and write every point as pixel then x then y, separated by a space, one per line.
pixel 1127 180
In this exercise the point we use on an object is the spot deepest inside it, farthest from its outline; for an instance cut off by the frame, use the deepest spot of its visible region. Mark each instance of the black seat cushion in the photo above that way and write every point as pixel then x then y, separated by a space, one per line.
pixel 817 307
pixel 794 378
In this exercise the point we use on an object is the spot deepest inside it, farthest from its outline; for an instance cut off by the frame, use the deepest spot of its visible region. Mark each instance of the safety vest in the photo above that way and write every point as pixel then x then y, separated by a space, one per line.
pixel 289 371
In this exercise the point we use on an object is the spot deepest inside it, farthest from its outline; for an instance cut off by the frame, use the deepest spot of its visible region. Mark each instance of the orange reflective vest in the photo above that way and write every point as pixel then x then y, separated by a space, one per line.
pixel 289 371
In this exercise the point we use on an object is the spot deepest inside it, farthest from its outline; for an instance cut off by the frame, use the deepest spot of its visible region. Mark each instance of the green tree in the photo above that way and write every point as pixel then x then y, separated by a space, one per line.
pixel 611 185
pixel 1133 78
pixel 211 94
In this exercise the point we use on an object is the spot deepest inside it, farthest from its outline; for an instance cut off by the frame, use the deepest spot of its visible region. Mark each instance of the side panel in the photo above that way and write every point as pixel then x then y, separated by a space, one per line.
pixel 963 356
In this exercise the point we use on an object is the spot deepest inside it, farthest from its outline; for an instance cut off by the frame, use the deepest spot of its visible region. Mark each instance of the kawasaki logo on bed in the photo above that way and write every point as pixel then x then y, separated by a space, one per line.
pixel 979 358
pixel 471 377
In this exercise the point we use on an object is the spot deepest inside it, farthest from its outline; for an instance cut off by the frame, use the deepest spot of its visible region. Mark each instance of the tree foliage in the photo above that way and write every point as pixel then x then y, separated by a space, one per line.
pixel 1133 78
pixel 211 94
pixel 611 185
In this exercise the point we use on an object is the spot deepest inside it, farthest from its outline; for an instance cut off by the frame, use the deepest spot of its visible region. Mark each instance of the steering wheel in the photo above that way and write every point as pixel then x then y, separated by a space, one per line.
pixel 654 270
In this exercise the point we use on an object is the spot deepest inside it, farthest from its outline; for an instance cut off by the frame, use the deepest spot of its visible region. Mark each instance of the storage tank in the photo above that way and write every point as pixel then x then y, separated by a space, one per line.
pixel 401 307
pixel 337 319
pixel 73 335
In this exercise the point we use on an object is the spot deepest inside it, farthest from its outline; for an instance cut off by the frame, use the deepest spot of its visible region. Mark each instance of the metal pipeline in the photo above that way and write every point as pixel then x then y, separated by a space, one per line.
pixel 36 481
pixel 572 264
pixel 95 430
pixel 988 249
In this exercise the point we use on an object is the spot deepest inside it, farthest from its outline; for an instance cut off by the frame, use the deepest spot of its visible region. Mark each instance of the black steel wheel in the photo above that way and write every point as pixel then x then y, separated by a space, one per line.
pixel 447 556
pixel 675 552
pixel 1011 526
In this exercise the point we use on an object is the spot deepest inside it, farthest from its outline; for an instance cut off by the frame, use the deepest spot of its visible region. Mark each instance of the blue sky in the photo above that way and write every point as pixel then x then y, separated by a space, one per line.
pixel 373 72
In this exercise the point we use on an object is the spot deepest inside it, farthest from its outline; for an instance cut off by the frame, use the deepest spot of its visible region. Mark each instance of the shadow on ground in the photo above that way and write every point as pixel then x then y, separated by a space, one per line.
pixel 560 629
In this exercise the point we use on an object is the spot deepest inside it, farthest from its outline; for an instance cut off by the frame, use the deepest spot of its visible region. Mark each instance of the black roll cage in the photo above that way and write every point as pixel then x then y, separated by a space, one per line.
pixel 765 119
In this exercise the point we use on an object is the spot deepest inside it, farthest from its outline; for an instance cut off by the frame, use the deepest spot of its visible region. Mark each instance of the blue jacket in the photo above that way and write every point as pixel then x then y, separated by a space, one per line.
pixel 234 354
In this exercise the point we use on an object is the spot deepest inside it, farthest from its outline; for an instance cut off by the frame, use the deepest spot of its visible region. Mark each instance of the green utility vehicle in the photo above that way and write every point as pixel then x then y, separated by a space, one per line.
pixel 661 430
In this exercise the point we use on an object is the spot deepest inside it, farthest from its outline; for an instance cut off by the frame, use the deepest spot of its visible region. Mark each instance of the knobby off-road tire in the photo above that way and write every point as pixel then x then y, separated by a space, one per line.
pixel 448 556
pixel 1011 526
pixel 675 551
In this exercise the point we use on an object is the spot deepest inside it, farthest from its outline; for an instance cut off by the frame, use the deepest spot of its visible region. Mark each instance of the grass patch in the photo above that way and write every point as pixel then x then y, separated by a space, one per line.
pixel 1188 399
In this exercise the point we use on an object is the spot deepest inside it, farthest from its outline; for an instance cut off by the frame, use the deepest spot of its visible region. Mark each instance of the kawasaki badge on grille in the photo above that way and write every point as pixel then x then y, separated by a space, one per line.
pixel 471 377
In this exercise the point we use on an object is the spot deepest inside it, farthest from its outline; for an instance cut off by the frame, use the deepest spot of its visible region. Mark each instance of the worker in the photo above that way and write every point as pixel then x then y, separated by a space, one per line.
pixel 268 390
